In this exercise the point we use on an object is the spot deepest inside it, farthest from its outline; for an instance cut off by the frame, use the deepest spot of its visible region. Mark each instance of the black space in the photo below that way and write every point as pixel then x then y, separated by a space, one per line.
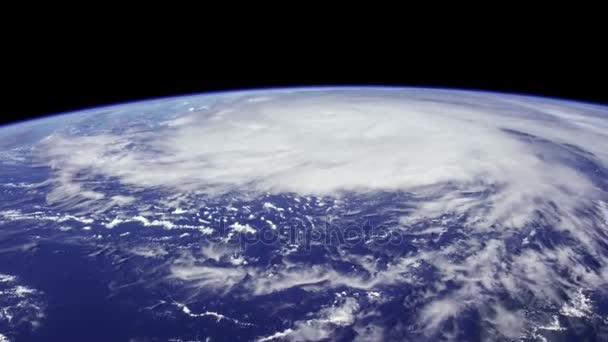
pixel 46 80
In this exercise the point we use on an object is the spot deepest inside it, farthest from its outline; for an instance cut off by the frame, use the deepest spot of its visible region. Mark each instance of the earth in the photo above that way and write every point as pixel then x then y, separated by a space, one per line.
pixel 308 214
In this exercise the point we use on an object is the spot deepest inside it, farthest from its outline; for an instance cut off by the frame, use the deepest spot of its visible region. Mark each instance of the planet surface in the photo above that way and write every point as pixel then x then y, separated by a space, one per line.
pixel 308 214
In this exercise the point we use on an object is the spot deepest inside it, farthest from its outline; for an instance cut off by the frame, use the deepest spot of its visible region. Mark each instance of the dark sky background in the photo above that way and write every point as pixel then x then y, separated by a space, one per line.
pixel 46 79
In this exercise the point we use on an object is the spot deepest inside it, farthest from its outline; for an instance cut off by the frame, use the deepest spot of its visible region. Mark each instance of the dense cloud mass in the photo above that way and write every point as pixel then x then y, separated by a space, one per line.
pixel 500 166
pixel 523 150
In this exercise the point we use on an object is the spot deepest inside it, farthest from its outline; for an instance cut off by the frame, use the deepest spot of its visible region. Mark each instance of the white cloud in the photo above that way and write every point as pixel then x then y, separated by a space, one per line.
pixel 438 311
pixel 369 333
pixel 19 304
pixel 242 228
pixel 219 279
pixel 322 326
pixel 578 306
pixel 218 316
pixel 149 251
pixel 323 143
pixel 217 251
pixel 259 281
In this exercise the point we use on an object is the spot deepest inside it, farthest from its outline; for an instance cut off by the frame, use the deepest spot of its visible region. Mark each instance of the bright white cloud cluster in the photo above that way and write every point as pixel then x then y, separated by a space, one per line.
pixel 356 140
pixel 21 307
pixel 321 327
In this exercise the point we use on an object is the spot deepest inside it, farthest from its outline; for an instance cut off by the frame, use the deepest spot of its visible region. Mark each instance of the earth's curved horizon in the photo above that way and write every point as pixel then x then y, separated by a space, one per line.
pixel 308 214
